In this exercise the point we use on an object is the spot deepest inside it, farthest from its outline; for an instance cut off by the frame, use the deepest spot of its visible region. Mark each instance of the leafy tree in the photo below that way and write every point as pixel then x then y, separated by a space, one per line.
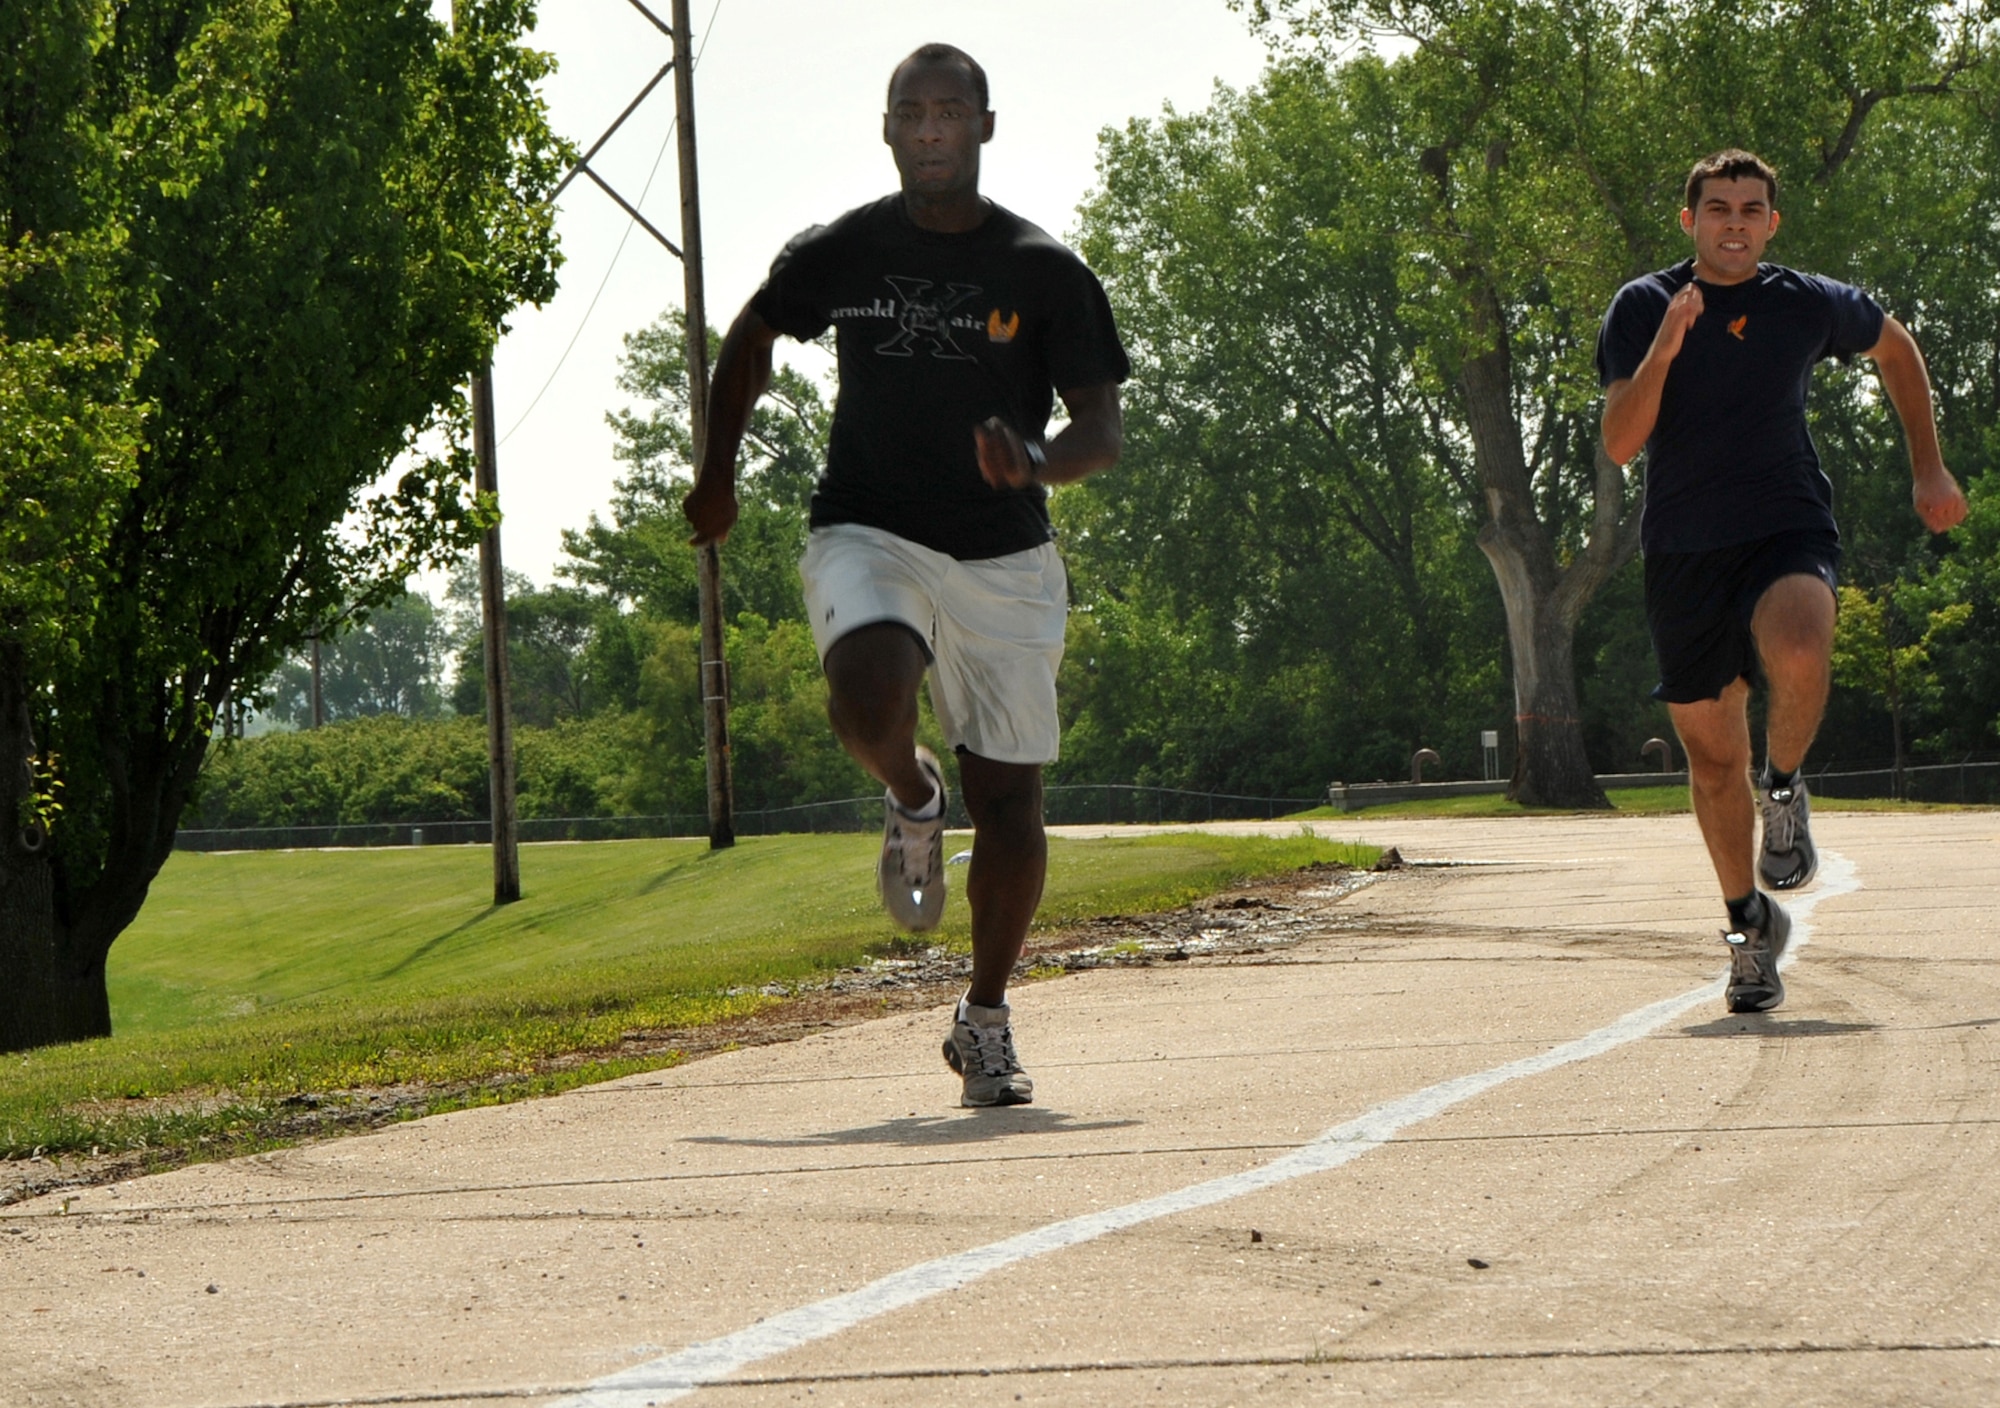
pixel 390 661
pixel 1962 703
pixel 1879 650
pixel 553 655
pixel 641 558
pixel 641 570
pixel 328 209
pixel 669 773
pixel 784 753
pixel 1280 497
pixel 71 347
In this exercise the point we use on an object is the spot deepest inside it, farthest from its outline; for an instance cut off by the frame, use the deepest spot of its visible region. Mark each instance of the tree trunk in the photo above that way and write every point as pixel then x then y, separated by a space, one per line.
pixel 1895 720
pixel 49 992
pixel 1542 600
pixel 1551 766
pixel 49 996
pixel 1543 597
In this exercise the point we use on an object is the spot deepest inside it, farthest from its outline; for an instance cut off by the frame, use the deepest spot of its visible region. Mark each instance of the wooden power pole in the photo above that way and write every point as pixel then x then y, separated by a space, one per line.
pixel 493 635
pixel 714 667
pixel 493 612
pixel 493 642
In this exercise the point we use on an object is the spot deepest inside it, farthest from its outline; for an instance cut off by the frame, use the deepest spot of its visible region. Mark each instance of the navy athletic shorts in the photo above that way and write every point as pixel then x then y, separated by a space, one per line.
pixel 1699 604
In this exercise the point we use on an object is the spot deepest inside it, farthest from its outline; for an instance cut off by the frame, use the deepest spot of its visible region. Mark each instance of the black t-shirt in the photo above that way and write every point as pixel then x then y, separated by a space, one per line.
pixel 936 332
pixel 1730 460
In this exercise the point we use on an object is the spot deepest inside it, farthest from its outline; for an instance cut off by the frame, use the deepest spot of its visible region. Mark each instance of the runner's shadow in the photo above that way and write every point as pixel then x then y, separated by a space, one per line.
pixel 931 1131
pixel 1763 1024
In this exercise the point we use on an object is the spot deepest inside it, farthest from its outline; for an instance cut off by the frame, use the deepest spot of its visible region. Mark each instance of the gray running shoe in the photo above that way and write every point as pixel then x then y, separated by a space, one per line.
pixel 980 1047
pixel 910 874
pixel 1788 860
pixel 1754 984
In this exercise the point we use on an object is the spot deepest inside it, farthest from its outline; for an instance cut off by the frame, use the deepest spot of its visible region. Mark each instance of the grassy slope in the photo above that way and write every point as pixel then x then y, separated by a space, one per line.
pixel 257 976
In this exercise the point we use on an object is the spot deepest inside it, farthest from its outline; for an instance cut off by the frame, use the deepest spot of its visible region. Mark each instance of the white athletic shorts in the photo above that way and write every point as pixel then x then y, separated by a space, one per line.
pixel 994 629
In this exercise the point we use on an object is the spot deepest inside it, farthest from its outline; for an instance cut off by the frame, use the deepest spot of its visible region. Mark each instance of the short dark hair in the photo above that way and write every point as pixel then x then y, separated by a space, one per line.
pixel 944 54
pixel 1733 164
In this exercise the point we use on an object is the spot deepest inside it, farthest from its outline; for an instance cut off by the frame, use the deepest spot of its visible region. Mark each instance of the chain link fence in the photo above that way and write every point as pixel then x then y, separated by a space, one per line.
pixel 1081 804
pixel 1970 783
pixel 1087 804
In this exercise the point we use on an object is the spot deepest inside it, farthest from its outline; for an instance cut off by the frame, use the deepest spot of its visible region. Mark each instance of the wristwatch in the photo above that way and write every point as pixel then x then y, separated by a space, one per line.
pixel 1038 458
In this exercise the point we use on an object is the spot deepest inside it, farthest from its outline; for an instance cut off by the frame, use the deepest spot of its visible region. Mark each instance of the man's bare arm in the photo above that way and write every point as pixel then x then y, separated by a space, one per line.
pixel 1632 404
pixel 742 374
pixel 1093 440
pixel 1939 502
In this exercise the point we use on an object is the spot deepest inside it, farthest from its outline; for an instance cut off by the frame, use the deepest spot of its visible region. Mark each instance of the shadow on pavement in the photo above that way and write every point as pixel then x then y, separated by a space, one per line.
pixel 931 1131
pixel 1759 1024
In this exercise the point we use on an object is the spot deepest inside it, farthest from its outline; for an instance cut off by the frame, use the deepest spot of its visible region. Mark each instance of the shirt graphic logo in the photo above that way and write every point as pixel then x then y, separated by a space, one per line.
pixel 1737 325
pixel 923 319
pixel 998 331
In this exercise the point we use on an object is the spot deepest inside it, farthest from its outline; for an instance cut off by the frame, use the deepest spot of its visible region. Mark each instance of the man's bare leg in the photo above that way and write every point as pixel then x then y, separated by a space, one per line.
pixel 1793 627
pixel 872 678
pixel 872 674
pixel 1010 862
pixel 1715 735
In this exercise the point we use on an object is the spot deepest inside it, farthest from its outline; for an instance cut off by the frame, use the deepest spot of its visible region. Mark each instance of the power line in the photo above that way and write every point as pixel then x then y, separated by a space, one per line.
pixel 616 254
pixel 602 284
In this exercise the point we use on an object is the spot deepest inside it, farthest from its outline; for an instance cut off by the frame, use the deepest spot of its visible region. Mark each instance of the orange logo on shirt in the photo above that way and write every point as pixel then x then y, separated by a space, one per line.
pixel 1736 327
pixel 998 331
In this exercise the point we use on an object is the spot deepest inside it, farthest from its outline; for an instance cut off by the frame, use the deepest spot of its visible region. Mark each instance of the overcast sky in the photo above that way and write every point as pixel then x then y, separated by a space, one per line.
pixel 788 104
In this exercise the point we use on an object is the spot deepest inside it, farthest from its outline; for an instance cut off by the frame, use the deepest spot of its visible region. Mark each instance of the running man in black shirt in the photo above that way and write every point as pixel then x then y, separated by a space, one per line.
pixel 1705 365
pixel 957 324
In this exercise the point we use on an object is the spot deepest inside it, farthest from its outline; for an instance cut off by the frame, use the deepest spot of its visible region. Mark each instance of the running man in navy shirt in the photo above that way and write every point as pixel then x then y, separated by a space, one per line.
pixel 1705 365
pixel 958 324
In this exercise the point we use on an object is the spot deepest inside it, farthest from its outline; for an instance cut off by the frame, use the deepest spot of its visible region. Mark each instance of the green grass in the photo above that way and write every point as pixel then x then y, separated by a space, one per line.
pixel 258 978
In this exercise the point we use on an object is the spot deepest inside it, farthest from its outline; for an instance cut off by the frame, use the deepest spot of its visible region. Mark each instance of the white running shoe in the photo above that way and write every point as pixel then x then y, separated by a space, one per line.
pixel 910 874
pixel 980 1047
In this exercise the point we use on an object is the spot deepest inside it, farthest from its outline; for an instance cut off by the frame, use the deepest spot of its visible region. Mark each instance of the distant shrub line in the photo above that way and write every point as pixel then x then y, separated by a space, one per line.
pixel 394 769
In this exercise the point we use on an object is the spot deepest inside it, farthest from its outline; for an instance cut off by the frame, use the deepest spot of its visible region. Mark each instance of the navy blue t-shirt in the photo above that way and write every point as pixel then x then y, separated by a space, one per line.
pixel 1730 460
pixel 935 333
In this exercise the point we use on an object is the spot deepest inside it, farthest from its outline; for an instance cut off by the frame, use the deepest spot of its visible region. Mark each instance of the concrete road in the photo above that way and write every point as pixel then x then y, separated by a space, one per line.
pixel 1489 1138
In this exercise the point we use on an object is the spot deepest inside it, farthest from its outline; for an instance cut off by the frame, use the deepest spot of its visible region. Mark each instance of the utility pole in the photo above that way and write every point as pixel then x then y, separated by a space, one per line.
pixel 493 639
pixel 714 667
pixel 317 706
pixel 493 642
pixel 708 559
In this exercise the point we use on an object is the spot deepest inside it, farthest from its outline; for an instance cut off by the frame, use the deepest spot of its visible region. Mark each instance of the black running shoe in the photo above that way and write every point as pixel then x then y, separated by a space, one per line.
pixel 1788 860
pixel 1754 951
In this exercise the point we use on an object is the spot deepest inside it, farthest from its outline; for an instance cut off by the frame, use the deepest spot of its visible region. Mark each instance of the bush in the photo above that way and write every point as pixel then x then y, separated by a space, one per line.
pixel 382 768
pixel 393 769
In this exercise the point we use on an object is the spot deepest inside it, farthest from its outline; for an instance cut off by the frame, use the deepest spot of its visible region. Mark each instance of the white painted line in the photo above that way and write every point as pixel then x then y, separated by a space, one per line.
pixel 677 1375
